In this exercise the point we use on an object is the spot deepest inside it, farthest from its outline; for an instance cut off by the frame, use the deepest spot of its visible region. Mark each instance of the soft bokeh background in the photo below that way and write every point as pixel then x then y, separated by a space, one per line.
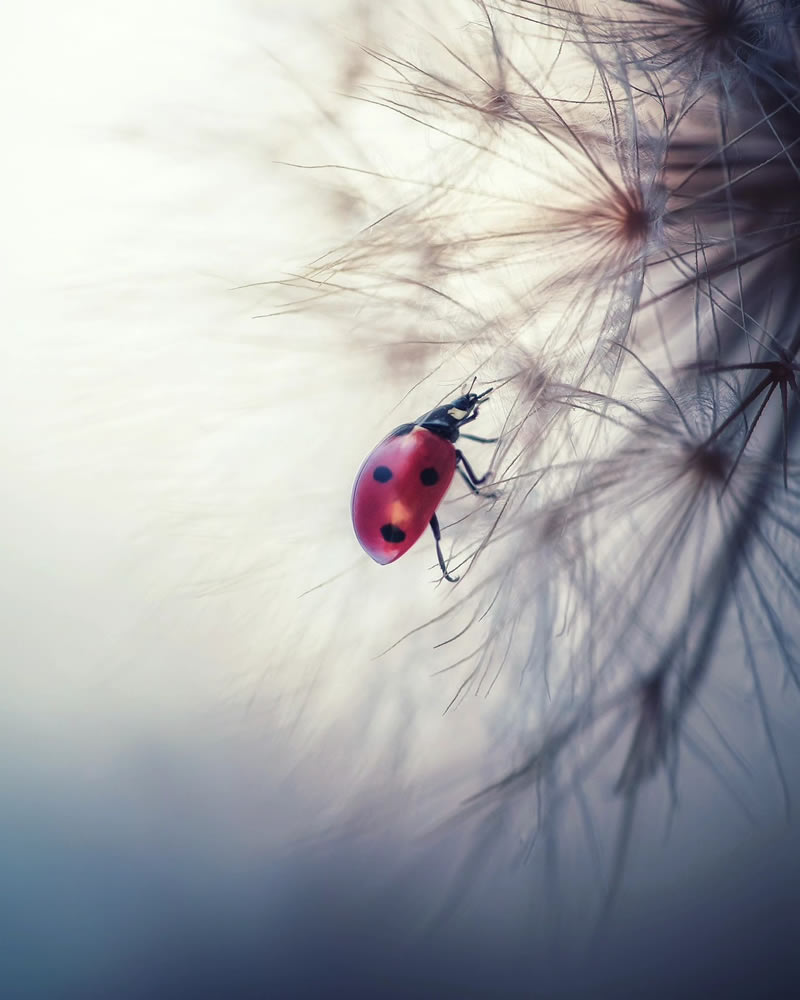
pixel 211 783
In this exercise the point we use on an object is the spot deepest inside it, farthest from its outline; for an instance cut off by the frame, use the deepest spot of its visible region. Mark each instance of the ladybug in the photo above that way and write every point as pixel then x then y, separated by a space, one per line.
pixel 403 481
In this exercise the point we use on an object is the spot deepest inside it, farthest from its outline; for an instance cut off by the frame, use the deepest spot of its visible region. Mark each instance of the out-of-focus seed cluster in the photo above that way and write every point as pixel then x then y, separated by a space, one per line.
pixel 596 208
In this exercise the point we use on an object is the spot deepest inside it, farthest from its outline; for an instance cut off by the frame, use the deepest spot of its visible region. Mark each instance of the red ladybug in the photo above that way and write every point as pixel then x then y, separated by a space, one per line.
pixel 403 481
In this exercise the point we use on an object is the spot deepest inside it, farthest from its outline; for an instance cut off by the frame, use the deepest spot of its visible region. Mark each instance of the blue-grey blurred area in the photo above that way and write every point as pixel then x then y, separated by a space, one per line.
pixel 217 779
pixel 107 895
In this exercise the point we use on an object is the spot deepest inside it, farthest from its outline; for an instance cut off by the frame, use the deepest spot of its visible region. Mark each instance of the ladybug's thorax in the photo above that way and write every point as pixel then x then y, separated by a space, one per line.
pixel 440 422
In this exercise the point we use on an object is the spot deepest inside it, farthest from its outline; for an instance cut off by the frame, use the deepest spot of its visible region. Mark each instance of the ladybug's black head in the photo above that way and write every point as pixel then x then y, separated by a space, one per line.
pixel 446 420
pixel 464 406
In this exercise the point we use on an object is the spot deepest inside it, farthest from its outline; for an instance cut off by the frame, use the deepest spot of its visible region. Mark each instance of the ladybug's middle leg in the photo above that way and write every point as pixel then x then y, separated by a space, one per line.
pixel 469 476
pixel 438 537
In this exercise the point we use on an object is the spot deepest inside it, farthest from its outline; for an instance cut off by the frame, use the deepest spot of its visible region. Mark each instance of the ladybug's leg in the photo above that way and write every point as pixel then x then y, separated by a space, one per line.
pixel 469 482
pixel 438 537
pixel 474 437
pixel 470 478
pixel 473 480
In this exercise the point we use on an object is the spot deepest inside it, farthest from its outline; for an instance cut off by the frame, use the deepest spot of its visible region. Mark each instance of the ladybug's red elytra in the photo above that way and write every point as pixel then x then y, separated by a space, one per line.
pixel 405 478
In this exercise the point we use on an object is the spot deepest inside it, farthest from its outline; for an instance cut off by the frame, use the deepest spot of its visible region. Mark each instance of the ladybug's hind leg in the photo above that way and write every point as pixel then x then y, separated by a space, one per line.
pixel 438 537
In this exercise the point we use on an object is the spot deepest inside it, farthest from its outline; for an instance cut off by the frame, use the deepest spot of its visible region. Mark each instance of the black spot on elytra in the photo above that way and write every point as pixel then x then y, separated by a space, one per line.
pixel 401 430
pixel 382 474
pixel 429 477
pixel 391 533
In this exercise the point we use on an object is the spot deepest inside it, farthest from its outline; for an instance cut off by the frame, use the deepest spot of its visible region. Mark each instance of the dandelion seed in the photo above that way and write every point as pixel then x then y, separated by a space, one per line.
pixel 606 217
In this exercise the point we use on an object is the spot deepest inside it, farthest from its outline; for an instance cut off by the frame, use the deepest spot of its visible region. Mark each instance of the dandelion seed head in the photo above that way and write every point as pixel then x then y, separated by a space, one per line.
pixel 726 29
pixel 709 463
pixel 500 104
pixel 535 379
pixel 702 42
pixel 631 221
pixel 648 741
pixel 582 237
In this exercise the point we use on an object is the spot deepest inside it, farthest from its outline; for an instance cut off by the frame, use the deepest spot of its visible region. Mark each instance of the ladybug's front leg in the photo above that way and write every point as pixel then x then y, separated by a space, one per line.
pixel 438 537
pixel 468 420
